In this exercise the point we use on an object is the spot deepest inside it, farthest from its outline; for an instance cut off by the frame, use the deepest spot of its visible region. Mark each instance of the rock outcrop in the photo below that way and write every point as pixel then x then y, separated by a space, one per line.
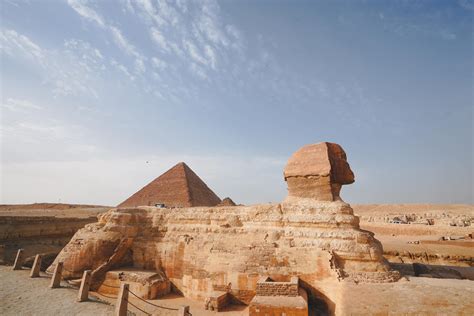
pixel 312 235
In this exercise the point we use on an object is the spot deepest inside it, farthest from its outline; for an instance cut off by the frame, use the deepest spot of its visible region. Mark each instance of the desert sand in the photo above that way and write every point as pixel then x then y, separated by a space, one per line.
pixel 38 299
pixel 416 242
pixel 21 295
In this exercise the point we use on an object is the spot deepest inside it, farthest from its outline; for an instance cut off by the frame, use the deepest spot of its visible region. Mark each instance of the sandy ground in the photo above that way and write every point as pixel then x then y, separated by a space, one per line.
pixel 21 295
pixel 418 296
pixel 400 244
pixel 395 209
pixel 401 237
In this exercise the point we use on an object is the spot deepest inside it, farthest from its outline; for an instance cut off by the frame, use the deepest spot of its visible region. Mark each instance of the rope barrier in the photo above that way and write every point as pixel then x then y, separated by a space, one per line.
pixel 146 313
pixel 111 286
pixel 163 307
pixel 111 297
pixel 72 285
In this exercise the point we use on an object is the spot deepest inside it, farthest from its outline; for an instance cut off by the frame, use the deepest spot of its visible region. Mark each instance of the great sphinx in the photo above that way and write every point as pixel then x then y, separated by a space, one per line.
pixel 313 235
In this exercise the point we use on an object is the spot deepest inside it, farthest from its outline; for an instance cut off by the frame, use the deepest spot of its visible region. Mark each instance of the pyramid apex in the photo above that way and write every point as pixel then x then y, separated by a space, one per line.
pixel 181 163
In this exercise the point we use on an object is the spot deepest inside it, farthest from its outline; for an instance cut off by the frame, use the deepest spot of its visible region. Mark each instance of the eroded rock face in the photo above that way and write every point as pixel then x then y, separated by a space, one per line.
pixel 318 171
pixel 207 249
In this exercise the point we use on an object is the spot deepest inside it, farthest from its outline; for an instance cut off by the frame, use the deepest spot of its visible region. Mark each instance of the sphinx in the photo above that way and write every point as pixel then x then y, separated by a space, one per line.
pixel 313 235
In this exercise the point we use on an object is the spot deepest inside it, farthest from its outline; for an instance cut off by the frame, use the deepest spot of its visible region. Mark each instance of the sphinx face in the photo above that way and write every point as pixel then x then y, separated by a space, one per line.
pixel 341 172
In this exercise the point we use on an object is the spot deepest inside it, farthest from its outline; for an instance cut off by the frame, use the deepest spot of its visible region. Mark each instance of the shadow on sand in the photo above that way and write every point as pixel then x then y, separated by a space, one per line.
pixel 434 271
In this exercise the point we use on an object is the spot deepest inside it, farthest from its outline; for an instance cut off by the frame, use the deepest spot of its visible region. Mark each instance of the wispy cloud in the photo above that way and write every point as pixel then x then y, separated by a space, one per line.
pixel 194 52
pixel 192 31
pixel 123 69
pixel 158 63
pixel 82 8
pixel 85 11
pixel 122 42
pixel 13 43
pixel 72 70
pixel 20 105
pixel 415 19
pixel 159 39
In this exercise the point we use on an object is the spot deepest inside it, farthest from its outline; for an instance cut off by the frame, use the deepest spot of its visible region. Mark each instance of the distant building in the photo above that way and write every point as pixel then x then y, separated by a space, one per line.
pixel 397 220
pixel 227 202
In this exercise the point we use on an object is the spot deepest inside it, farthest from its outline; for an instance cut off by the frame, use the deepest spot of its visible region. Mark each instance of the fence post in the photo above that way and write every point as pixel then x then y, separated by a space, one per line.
pixel 35 269
pixel 183 310
pixel 56 279
pixel 83 294
pixel 18 260
pixel 121 306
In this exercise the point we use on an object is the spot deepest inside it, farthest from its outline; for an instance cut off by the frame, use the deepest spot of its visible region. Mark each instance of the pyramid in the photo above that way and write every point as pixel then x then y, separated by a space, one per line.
pixel 177 187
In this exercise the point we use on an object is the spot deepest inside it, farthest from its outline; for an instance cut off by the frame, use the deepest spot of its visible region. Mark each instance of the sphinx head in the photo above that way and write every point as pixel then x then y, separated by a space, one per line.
pixel 318 171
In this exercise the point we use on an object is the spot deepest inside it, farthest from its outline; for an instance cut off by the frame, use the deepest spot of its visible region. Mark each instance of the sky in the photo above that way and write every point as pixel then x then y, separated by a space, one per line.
pixel 100 97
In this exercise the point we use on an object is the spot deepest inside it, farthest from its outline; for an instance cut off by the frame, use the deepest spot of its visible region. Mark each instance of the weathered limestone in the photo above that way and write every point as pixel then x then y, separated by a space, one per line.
pixel 145 284
pixel 20 257
pixel 122 300
pixel 217 301
pixel 2 254
pixel 183 310
pixel 35 269
pixel 83 294
pixel 56 279
pixel 318 171
pixel 202 250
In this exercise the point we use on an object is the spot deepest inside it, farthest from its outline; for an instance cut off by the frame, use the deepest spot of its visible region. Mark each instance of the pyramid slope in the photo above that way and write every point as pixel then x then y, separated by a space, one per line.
pixel 200 194
pixel 177 187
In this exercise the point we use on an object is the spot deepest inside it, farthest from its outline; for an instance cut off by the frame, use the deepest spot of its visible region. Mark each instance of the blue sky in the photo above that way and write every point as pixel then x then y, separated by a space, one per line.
pixel 100 97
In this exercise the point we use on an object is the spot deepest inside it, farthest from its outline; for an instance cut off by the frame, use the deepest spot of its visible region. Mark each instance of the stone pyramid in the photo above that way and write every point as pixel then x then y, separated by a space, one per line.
pixel 177 187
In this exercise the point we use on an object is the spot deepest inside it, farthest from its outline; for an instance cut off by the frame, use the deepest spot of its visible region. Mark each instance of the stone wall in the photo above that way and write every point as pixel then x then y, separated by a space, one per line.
pixel 280 305
pixel 18 227
pixel 37 234
pixel 267 287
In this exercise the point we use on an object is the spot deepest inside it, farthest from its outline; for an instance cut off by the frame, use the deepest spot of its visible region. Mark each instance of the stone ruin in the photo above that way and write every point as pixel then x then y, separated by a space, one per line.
pixel 219 254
